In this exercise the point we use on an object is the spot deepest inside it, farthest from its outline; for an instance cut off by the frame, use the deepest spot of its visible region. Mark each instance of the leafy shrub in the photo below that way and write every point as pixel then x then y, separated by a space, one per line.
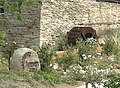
pixel 68 59
pixel 61 43
pixel 110 47
pixel 45 53
pixel 96 71
pixel 91 43
pixel 87 47
pixel 76 72
pixel 113 81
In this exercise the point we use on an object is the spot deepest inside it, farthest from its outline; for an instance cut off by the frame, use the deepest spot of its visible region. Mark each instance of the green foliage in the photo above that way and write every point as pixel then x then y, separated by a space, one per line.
pixel 96 71
pixel 92 70
pixel 9 74
pixel 87 47
pixel 50 78
pixel 68 80
pixel 102 64
pixel 92 77
pixel 53 78
pixel 45 53
pixel 8 50
pixel 3 66
pixel 80 45
pixel 113 81
pixel 62 42
pixel 14 7
pixel 91 43
pixel 2 40
pixel 2 46
pixel 110 47
pixel 69 58
pixel 75 72
pixel 117 60
pixel 117 35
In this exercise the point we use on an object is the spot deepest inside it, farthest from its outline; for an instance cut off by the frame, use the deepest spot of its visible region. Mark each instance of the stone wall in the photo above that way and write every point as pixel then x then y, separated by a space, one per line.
pixel 63 15
pixel 26 32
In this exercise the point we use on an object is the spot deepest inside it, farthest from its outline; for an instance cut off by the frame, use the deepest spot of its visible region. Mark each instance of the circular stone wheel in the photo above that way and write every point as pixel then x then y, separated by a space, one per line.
pixel 25 59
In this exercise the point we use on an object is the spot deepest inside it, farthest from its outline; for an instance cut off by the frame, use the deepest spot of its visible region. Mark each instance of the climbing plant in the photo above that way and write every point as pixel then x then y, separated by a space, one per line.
pixel 14 6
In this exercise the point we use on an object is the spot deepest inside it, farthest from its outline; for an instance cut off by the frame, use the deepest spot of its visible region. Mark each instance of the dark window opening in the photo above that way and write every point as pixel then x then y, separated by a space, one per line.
pixel 111 1
pixel 83 33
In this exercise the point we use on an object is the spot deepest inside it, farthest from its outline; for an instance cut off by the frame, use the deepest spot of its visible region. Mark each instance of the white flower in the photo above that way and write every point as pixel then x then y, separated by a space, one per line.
pixel 51 65
pixel 55 66
pixel 22 45
pixel 82 71
pixel 89 56
pixel 111 58
pixel 65 73
pixel 84 56
pixel 14 42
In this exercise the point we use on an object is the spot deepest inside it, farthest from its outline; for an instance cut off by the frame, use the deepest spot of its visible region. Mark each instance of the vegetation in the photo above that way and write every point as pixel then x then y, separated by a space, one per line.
pixel 44 77
pixel 110 47
pixel 79 63
pixel 113 81
pixel 45 53
pixel 15 6
pixel 61 42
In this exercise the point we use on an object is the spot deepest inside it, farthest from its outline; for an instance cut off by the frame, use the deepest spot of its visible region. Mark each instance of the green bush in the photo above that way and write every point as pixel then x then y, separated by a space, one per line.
pixel 67 60
pixel 45 53
pixel 113 81
pixel 110 47
pixel 87 47
pixel 61 43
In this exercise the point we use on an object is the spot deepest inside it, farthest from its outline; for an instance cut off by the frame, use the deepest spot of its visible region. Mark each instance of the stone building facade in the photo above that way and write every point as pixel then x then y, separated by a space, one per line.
pixel 44 23
pixel 26 31
pixel 63 15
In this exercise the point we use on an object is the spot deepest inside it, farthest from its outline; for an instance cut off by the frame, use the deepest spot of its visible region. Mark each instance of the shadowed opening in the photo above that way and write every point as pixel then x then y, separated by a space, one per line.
pixel 77 33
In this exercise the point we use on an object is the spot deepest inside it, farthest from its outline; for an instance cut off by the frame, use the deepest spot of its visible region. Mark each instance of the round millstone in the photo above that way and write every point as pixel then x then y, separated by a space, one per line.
pixel 25 59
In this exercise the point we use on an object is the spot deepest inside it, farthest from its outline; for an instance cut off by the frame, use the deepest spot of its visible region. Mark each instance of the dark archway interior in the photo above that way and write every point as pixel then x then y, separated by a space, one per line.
pixel 88 35
pixel 83 33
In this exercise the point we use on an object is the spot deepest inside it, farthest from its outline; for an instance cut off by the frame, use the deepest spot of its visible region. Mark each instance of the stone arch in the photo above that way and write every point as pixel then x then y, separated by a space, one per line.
pixel 83 33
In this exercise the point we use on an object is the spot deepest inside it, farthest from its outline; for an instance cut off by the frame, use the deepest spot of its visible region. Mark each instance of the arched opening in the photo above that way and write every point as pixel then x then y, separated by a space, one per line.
pixel 83 33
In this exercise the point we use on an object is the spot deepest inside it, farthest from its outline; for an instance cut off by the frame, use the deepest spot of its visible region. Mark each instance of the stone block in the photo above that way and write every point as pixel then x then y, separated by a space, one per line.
pixel 25 59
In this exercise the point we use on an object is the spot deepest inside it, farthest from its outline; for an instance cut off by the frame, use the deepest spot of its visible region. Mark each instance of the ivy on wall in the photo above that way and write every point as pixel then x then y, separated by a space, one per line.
pixel 14 6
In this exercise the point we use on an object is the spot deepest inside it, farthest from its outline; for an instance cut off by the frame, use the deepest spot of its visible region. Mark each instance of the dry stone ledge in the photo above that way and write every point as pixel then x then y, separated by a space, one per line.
pixel 25 59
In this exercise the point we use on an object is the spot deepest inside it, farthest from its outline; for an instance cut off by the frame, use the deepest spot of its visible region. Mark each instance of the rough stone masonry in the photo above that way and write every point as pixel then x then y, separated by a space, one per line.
pixel 63 15
pixel 24 32
pixel 43 23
